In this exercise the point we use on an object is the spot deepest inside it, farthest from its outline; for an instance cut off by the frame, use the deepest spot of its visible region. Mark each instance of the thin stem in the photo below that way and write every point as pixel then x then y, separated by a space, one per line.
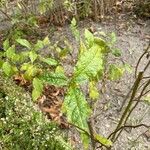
pixel 148 91
pixel 129 126
pixel 90 125
pixel 125 99
pixel 148 83
pixel 136 68
pixel 146 77
pixel 135 87
pixel 87 133
pixel 7 16
pixel 138 99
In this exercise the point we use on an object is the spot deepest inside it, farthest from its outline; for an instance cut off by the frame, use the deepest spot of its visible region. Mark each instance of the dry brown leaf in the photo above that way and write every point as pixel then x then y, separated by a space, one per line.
pixel 19 79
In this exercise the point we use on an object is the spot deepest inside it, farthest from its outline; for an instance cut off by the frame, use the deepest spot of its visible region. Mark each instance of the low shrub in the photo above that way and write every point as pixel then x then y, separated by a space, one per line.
pixel 22 126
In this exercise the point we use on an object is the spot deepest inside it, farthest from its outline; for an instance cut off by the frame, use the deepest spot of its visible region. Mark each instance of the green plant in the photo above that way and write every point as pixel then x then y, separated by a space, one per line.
pixel 23 19
pixel 45 5
pixel 90 67
pixel 74 29
pixel 28 63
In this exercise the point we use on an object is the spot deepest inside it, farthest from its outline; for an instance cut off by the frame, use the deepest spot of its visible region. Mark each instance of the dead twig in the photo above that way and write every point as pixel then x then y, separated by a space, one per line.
pixel 146 52
pixel 5 14
pixel 129 126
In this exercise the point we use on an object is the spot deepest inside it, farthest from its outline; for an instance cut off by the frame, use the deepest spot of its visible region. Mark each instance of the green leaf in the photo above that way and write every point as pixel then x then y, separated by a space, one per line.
pixel 37 88
pixel 57 79
pixel 73 22
pixel 103 140
pixel 68 46
pixel 66 145
pixel 82 48
pixel 32 21
pixel 93 91
pixel 24 43
pixel 31 72
pixel 38 45
pixel 6 44
pixel 37 84
pixel 33 56
pixel 25 66
pixel 102 33
pixel 99 75
pixel 42 8
pixel 59 69
pixel 2 54
pixel 49 61
pixel 10 52
pixel 116 52
pixel 46 41
pixel 74 29
pixel 102 44
pixel 76 108
pixel 23 56
pixel 89 37
pixel 7 68
pixel 89 64
pixel 62 52
pixel 115 72
pixel 15 69
pixel 147 99
pixel 128 68
pixel 85 140
pixel 113 38
pixel 1 63
pixel 35 94
pixel 16 58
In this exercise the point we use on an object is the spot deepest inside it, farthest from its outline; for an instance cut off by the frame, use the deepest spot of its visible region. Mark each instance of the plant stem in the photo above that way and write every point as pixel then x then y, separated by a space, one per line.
pixel 7 16
pixel 123 117
pixel 90 125
pixel 146 51
pixel 129 126
pixel 129 109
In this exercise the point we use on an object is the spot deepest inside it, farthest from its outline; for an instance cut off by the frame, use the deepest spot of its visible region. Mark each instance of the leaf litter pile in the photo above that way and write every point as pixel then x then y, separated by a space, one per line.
pixel 50 102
